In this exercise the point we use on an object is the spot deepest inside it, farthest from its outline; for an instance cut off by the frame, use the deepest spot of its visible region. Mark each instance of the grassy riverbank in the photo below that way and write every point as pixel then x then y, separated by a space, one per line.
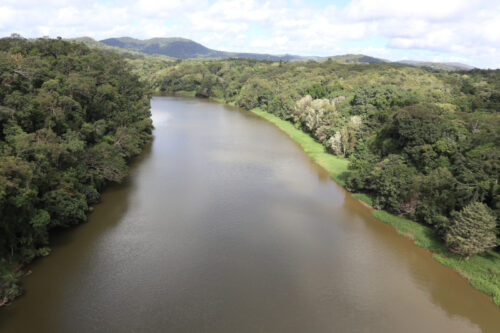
pixel 185 93
pixel 481 270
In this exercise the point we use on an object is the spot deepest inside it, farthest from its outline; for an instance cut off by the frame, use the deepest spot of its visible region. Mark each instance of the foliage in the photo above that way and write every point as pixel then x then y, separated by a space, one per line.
pixel 472 230
pixel 70 118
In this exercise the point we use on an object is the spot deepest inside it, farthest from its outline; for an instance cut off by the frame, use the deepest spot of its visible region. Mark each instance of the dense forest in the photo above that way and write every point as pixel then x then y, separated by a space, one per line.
pixel 70 119
pixel 424 145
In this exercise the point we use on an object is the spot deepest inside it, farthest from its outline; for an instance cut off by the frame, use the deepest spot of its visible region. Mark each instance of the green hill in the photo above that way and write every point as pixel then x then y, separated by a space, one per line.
pixel 123 51
pixel 183 48
pixel 437 66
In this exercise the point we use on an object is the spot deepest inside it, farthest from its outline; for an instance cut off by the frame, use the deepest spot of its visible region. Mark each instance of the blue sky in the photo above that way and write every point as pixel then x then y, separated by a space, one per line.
pixel 433 30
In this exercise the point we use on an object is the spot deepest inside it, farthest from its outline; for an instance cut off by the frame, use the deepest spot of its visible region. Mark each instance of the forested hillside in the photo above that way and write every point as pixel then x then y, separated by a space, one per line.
pixel 422 145
pixel 182 48
pixel 70 119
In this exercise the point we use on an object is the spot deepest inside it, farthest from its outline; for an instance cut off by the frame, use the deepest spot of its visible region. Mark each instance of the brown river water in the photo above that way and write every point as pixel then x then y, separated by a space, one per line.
pixel 226 225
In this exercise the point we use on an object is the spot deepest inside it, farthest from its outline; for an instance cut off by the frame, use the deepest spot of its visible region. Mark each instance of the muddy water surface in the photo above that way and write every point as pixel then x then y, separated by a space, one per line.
pixel 225 225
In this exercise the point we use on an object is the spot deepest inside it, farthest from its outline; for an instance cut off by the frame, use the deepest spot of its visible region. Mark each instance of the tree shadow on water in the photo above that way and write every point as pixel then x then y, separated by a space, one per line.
pixel 72 249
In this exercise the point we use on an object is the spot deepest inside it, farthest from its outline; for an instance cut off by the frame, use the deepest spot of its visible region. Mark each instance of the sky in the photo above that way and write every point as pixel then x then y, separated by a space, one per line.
pixel 466 31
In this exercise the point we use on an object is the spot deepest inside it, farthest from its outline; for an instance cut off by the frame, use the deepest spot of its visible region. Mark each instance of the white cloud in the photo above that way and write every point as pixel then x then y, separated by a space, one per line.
pixel 429 29
pixel 165 8
pixel 435 10
pixel 7 17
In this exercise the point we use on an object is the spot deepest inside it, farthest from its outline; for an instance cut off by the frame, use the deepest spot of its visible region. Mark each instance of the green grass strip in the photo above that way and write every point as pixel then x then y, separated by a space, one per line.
pixel 219 99
pixel 363 197
pixel 185 93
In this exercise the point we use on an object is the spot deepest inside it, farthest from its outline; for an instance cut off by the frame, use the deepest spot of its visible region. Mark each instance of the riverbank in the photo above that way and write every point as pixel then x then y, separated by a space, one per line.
pixel 13 271
pixel 336 166
pixel 10 276
pixel 236 223
pixel 481 270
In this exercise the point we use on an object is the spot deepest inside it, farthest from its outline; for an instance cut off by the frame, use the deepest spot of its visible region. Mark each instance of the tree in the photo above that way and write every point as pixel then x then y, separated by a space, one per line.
pixel 316 91
pixel 472 230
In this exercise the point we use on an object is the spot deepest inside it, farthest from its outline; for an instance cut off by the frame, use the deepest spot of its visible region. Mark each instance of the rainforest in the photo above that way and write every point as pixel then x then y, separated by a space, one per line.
pixel 70 119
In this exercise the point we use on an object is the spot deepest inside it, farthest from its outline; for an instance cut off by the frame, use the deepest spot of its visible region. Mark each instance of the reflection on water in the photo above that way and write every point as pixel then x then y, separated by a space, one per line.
pixel 225 225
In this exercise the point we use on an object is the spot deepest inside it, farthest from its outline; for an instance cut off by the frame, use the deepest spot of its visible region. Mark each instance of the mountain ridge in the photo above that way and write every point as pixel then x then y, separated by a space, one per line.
pixel 183 48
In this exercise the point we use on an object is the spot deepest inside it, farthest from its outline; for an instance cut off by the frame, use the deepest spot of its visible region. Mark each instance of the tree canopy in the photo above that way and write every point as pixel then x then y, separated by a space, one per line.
pixel 70 118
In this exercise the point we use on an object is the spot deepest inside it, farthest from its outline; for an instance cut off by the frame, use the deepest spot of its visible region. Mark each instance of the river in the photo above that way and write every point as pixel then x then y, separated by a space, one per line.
pixel 226 225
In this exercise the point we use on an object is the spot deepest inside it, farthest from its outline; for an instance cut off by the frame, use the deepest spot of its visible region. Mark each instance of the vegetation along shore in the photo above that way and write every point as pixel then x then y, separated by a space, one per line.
pixel 71 118
pixel 420 146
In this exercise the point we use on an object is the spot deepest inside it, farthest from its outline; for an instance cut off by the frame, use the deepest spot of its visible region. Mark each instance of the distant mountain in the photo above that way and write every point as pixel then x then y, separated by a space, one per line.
pixel 458 64
pixel 125 52
pixel 184 48
pixel 350 58
pixel 438 66
pixel 89 41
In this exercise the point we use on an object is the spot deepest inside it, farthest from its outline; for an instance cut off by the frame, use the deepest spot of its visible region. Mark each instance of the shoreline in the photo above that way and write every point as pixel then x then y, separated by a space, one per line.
pixel 482 271
pixel 15 271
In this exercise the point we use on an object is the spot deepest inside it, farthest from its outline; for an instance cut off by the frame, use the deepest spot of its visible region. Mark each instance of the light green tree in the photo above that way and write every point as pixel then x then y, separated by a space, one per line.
pixel 472 230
